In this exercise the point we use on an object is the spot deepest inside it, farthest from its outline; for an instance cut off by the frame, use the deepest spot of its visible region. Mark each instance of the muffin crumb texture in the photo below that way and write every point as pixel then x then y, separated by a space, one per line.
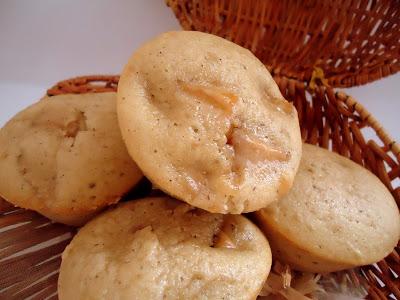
pixel 160 248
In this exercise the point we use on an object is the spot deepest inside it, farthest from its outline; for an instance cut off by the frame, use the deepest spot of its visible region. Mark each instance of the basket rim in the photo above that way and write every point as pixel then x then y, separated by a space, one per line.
pixel 364 113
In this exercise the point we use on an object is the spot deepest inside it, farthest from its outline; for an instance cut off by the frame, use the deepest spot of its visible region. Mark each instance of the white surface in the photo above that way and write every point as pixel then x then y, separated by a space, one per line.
pixel 45 41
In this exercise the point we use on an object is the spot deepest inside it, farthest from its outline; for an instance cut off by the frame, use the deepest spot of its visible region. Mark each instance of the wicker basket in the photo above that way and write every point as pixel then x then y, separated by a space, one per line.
pixel 354 42
pixel 31 245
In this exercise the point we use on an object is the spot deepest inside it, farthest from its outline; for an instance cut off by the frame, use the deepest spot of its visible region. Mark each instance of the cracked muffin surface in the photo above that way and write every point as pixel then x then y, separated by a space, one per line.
pixel 161 248
pixel 213 127
pixel 64 157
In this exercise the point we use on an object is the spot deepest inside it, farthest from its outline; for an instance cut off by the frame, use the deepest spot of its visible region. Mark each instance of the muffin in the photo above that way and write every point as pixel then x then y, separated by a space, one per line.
pixel 213 127
pixel 338 215
pixel 160 248
pixel 64 157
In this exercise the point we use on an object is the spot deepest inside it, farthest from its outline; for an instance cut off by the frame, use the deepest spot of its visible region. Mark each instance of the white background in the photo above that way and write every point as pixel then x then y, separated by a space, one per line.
pixel 44 41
